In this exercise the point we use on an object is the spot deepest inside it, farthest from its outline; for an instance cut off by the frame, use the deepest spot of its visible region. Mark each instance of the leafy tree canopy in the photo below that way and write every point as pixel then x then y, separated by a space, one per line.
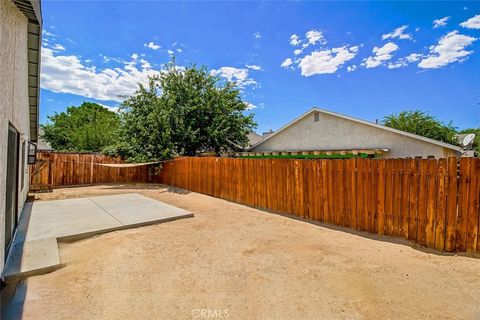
pixel 423 124
pixel 88 127
pixel 183 112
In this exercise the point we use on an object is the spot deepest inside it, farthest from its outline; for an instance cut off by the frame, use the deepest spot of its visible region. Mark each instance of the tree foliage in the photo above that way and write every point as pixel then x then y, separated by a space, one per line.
pixel 423 124
pixel 88 127
pixel 183 112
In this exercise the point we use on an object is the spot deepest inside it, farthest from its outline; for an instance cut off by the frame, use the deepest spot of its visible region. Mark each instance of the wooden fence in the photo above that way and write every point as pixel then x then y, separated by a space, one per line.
pixel 432 202
pixel 54 169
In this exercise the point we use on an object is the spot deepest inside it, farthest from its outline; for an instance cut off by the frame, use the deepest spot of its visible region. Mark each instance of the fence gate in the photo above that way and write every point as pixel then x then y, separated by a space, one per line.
pixel 40 177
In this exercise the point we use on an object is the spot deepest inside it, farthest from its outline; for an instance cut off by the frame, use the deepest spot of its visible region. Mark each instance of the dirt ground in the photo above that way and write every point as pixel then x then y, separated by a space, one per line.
pixel 232 261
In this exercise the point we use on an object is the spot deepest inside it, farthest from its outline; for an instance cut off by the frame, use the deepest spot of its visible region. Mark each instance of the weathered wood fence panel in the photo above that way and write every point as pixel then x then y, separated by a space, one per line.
pixel 434 202
pixel 55 169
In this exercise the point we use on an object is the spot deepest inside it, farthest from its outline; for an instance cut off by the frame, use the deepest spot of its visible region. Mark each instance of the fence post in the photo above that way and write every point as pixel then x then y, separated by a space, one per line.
pixel 91 169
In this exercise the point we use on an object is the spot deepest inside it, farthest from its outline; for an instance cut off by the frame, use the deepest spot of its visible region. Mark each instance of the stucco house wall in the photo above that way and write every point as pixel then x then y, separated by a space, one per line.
pixel 336 133
pixel 14 103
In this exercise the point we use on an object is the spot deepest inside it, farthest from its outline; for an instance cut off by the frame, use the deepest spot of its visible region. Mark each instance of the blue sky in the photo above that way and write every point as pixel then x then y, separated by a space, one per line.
pixel 363 59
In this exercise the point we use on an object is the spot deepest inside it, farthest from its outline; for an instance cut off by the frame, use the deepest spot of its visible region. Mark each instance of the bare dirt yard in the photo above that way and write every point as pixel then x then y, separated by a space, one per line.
pixel 238 262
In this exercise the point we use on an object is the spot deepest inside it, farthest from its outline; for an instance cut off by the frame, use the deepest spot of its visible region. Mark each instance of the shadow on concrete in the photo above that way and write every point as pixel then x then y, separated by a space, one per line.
pixel 13 260
pixel 13 294
pixel 13 299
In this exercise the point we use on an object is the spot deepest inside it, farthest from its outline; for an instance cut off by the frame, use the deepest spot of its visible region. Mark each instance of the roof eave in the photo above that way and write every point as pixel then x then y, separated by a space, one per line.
pixel 32 9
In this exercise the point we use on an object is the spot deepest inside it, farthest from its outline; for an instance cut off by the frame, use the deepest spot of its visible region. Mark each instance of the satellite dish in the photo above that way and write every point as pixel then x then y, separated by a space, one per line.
pixel 468 139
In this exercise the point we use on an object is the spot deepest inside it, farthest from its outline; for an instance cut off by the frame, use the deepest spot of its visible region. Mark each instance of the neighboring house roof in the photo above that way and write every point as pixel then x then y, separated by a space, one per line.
pixel 33 11
pixel 253 138
pixel 378 126
pixel 42 144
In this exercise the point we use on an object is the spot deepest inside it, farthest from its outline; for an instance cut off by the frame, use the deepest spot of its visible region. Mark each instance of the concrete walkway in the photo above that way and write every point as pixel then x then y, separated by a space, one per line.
pixel 35 250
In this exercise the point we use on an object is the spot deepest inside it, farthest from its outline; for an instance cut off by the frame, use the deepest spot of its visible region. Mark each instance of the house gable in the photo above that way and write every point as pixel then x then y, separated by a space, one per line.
pixel 332 132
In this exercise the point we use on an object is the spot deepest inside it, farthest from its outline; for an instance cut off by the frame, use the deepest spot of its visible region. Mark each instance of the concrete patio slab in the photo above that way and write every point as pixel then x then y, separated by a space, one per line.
pixel 32 257
pixel 134 209
pixel 62 218
pixel 44 223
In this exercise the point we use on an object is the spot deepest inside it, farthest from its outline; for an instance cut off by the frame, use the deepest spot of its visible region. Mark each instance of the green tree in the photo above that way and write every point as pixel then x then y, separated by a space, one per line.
pixel 183 112
pixel 88 127
pixel 422 124
pixel 476 141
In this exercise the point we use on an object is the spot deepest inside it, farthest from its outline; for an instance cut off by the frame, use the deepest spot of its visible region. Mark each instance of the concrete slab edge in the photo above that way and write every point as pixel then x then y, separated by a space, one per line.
pixel 86 235
pixel 35 272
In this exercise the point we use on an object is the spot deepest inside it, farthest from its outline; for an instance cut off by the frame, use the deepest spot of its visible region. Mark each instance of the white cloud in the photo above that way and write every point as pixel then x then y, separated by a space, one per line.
pixel 179 50
pixel 58 47
pixel 326 61
pixel 108 59
pixel 253 67
pixel 145 64
pixel 352 68
pixel 47 33
pixel 320 61
pixel 286 63
pixel 152 45
pixel 239 76
pixel 314 36
pixel 381 55
pixel 67 74
pixel 472 23
pixel 295 40
pixel 113 109
pixel 257 35
pixel 450 48
pixel 397 64
pixel 413 57
pixel 398 33
pixel 440 22
pixel 171 52
pixel 405 61
pixel 251 106
pixel 47 41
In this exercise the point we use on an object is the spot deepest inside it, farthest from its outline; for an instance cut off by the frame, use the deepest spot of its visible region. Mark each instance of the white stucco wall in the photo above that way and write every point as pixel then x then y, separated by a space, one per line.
pixel 334 133
pixel 13 98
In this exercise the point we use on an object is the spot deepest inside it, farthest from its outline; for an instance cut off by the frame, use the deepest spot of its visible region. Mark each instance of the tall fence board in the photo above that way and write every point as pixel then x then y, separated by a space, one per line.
pixel 434 202
pixel 54 169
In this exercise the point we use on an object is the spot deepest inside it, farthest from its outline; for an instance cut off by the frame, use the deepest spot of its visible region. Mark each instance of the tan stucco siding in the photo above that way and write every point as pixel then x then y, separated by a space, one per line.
pixel 14 106
pixel 335 133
